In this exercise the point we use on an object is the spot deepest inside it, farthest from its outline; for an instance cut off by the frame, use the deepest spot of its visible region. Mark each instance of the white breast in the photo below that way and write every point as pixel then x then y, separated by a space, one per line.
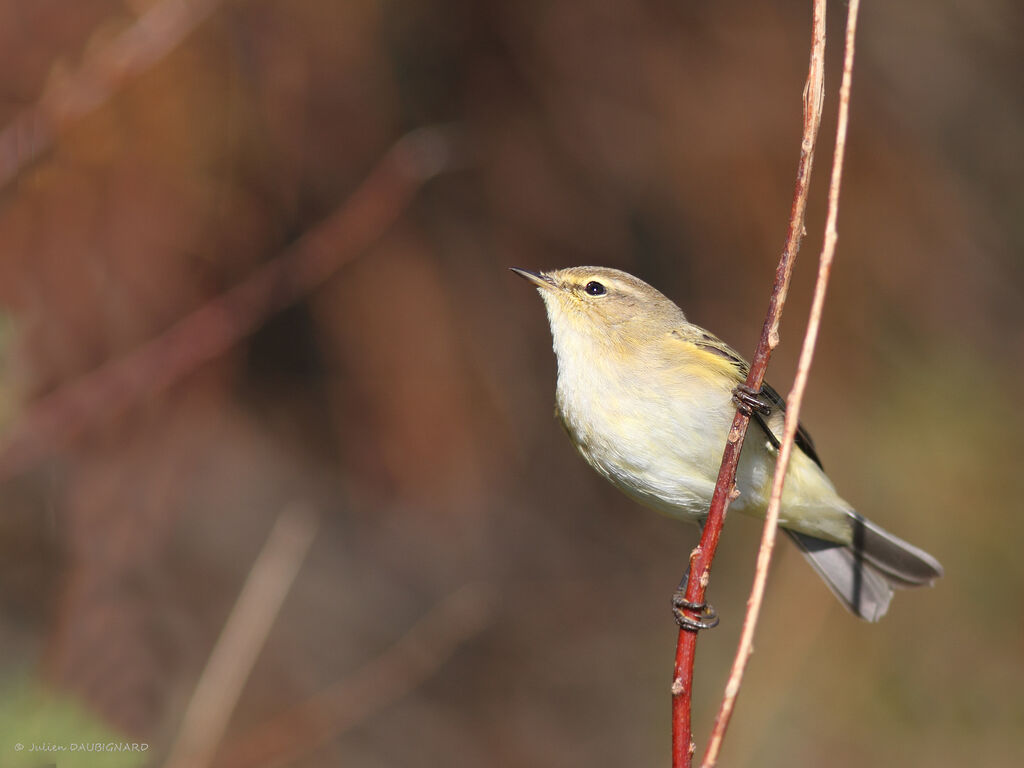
pixel 658 448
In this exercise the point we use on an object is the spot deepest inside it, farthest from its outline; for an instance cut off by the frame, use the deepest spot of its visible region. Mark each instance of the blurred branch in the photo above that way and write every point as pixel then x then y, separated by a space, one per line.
pixel 795 400
pixel 205 334
pixel 242 639
pixel 382 681
pixel 153 35
pixel 725 489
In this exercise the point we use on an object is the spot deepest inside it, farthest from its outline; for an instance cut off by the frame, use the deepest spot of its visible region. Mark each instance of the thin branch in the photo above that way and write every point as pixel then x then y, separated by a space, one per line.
pixel 242 639
pixel 393 674
pixel 793 405
pixel 725 490
pixel 54 420
pixel 151 37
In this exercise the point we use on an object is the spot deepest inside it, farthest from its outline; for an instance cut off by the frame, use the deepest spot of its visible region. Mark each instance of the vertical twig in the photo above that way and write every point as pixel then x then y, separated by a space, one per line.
pixel 242 639
pixel 764 555
pixel 702 556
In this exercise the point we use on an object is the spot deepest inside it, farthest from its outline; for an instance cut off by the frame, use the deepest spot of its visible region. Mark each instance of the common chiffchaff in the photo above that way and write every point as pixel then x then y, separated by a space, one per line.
pixel 647 399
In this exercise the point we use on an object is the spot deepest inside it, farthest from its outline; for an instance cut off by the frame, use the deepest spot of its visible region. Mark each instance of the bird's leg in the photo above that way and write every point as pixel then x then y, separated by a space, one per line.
pixel 750 401
pixel 709 618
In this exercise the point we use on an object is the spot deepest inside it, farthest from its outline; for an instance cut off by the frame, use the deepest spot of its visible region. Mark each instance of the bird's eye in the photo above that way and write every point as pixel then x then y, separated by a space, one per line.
pixel 595 288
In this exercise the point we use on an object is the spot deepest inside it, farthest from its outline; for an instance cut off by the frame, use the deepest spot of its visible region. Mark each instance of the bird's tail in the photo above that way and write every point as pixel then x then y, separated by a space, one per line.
pixel 862 574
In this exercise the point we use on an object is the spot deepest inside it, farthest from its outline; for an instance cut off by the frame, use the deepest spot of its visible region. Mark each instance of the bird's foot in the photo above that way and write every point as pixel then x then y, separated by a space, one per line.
pixel 750 401
pixel 708 616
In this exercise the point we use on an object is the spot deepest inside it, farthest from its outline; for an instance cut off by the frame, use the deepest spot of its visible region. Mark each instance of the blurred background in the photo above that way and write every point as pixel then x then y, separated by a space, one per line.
pixel 473 594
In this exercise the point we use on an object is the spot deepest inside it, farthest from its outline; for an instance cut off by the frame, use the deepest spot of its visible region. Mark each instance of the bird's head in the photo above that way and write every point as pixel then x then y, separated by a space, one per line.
pixel 598 306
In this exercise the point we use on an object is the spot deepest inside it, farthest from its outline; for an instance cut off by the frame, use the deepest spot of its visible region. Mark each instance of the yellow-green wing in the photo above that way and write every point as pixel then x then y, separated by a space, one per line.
pixel 710 343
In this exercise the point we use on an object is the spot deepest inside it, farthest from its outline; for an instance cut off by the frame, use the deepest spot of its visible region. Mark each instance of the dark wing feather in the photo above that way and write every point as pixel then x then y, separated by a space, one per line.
pixel 803 437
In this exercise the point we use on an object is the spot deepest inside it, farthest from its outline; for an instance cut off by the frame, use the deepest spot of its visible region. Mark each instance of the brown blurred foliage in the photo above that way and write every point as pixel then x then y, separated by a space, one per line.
pixel 409 399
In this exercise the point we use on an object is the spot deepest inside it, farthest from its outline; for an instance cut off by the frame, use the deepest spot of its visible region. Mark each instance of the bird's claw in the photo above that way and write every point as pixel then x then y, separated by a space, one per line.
pixel 708 616
pixel 749 401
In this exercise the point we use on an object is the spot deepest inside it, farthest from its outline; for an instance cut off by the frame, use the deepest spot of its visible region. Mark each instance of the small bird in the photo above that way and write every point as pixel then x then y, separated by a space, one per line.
pixel 647 398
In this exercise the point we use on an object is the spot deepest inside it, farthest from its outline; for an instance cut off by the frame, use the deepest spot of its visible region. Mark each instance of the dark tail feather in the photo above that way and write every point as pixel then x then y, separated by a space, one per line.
pixel 903 564
pixel 862 575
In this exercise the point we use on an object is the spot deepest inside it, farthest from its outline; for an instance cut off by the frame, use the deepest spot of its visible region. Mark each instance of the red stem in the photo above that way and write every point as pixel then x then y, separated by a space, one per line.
pixel 793 403
pixel 725 489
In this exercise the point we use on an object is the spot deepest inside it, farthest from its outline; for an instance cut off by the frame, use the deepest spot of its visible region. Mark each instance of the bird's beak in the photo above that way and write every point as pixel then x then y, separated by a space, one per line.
pixel 541 281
